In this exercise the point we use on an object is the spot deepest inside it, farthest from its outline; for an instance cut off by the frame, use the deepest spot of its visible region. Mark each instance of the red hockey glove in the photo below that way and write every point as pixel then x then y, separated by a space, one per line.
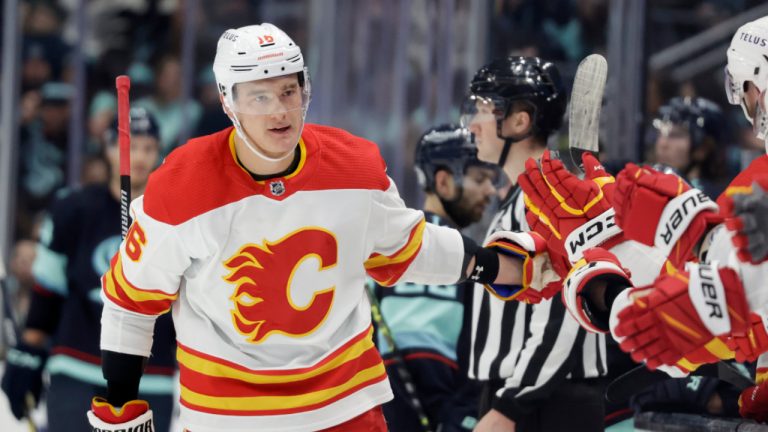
pixel 683 314
pixel 753 402
pixel 539 281
pixel 662 210
pixel 747 217
pixel 134 416
pixel 597 263
pixel 570 213
pixel 748 347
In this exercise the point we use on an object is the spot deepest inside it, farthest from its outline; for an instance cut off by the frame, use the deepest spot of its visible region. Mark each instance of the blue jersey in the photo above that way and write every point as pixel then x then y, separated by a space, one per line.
pixel 78 237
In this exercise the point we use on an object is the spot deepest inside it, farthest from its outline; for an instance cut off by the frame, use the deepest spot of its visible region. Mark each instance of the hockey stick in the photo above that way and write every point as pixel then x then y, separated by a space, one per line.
pixel 12 336
pixel 123 84
pixel 402 370
pixel 637 379
pixel 585 107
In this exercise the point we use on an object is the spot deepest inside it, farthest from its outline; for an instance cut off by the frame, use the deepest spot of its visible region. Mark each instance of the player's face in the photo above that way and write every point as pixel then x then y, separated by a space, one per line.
pixel 673 147
pixel 271 112
pixel 479 189
pixel 144 158
pixel 483 126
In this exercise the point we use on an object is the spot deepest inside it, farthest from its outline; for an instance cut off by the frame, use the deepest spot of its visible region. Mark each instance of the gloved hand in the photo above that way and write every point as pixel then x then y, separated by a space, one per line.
pixel 749 346
pixel 687 395
pixel 747 217
pixel 23 376
pixel 572 214
pixel 540 281
pixel 663 211
pixel 753 402
pixel 682 315
pixel 135 415
pixel 597 264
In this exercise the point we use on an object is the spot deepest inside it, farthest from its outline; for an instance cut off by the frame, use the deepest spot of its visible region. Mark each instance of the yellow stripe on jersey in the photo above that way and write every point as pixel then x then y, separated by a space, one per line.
pixel 247 403
pixel 403 254
pixel 213 369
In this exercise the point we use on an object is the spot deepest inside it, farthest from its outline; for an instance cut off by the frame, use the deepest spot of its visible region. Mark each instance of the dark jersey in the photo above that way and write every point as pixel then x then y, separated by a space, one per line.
pixel 79 236
pixel 430 325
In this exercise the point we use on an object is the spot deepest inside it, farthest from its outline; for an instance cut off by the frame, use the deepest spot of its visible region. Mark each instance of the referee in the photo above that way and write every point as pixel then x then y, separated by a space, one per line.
pixel 535 362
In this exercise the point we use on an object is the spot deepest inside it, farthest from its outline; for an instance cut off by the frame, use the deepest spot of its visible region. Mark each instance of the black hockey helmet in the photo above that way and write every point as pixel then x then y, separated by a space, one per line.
pixel 701 117
pixel 448 146
pixel 142 123
pixel 531 80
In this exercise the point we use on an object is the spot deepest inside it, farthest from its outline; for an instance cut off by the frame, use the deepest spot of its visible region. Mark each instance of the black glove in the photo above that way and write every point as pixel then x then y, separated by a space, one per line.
pixel 683 395
pixel 23 375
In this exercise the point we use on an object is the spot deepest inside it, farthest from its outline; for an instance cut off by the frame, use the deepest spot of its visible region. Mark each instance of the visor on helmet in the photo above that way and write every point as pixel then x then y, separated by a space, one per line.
pixel 734 90
pixel 270 96
pixel 481 109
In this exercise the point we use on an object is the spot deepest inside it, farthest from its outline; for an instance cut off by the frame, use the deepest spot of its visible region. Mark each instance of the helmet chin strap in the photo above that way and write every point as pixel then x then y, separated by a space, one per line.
pixel 508 141
pixel 252 147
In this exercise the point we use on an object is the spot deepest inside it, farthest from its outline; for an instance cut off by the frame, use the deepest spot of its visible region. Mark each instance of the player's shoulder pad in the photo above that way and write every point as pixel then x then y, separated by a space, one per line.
pixel 745 178
pixel 192 180
pixel 348 161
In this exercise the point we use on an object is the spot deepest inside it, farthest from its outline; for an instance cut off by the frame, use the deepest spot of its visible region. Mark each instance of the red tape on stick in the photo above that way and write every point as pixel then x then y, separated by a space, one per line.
pixel 123 84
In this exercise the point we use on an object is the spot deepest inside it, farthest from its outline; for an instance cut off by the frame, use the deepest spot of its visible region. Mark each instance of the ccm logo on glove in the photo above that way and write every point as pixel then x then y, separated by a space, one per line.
pixel 680 212
pixel 592 234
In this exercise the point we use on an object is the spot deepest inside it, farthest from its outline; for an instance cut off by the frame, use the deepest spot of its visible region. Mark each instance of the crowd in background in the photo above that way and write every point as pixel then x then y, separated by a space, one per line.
pixel 143 39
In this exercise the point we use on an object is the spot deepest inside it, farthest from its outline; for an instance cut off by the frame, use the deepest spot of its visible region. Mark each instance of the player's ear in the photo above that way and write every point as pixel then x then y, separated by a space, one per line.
pixel 517 123
pixel 444 186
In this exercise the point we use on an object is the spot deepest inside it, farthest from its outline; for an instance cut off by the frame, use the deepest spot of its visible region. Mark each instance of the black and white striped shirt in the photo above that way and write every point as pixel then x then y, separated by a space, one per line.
pixel 531 347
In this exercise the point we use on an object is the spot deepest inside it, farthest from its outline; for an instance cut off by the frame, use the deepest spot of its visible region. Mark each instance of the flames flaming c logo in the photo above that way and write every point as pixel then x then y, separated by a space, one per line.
pixel 263 275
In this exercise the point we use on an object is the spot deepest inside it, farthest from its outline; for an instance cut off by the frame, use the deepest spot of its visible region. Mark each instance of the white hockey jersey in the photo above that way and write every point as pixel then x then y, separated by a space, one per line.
pixel 266 279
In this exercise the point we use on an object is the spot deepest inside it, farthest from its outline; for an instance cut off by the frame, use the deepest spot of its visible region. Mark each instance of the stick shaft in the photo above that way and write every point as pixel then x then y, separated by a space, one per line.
pixel 123 84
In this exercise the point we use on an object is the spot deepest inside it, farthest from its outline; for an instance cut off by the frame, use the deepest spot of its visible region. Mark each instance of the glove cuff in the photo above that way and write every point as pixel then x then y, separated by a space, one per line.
pixel 134 415
pixel 678 215
pixel 579 305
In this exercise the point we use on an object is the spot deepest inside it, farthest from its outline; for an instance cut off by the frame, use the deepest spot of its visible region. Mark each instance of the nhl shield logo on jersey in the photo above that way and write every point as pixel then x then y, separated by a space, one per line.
pixel 277 188
pixel 263 276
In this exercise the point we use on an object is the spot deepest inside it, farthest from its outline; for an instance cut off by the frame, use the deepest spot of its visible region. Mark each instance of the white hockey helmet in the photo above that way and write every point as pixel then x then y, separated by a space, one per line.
pixel 253 53
pixel 748 61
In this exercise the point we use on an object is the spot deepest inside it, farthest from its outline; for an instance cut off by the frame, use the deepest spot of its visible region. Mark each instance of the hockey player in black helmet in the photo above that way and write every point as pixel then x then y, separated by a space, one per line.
pixel 423 319
pixel 514 100
pixel 689 139
pixel 532 359
pixel 452 176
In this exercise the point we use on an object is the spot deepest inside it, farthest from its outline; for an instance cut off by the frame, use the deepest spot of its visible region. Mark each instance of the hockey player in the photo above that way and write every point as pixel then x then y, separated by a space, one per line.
pixel 79 236
pixel 690 139
pixel 259 238
pixel 533 359
pixel 423 318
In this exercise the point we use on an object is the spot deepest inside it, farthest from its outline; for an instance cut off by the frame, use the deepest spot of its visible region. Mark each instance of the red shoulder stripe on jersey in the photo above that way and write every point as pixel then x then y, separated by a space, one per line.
pixel 387 269
pixel 126 295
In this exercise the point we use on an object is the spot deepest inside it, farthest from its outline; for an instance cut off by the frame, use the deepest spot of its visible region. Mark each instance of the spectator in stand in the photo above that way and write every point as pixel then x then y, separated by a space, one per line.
pixel 166 104
pixel 42 156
